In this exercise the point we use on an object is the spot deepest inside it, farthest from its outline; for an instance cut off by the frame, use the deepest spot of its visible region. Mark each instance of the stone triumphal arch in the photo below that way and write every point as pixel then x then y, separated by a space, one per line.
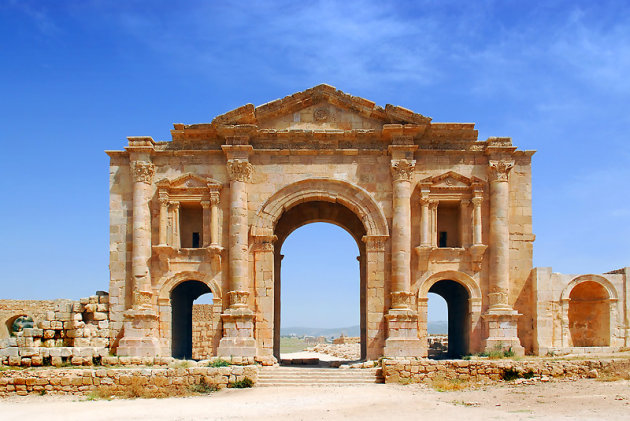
pixel 431 208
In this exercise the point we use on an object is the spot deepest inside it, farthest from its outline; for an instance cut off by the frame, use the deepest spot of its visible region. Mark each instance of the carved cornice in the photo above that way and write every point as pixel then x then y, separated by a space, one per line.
pixel 142 171
pixel 499 170
pixel 239 170
pixel 402 169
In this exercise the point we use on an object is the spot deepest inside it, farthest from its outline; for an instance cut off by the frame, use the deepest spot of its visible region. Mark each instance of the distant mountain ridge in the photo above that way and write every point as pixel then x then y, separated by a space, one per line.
pixel 434 328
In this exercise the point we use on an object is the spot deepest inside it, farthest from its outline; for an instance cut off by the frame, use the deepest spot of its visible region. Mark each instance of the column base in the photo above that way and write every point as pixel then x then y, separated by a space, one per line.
pixel 139 338
pixel 238 334
pixel 402 334
pixel 502 329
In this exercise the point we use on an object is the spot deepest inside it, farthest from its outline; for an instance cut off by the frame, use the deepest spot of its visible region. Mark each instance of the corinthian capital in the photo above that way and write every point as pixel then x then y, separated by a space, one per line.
pixel 239 170
pixel 142 171
pixel 402 169
pixel 499 170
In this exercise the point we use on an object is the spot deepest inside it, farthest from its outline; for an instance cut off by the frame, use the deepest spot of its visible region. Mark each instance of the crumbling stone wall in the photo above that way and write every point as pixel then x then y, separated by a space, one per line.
pixel 36 309
pixel 64 331
pixel 417 370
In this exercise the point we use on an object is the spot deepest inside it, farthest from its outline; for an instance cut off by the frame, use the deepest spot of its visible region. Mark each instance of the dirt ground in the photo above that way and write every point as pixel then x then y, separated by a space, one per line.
pixel 577 400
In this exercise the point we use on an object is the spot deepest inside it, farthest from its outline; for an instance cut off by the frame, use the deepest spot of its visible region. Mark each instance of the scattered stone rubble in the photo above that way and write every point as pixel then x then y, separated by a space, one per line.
pixel 348 351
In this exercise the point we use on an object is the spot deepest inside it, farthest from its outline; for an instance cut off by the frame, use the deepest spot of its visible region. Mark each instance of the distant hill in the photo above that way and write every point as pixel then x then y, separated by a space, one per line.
pixel 434 328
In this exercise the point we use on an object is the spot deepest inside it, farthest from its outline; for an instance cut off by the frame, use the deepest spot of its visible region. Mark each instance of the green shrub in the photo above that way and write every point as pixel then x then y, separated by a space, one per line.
pixel 242 384
pixel 219 362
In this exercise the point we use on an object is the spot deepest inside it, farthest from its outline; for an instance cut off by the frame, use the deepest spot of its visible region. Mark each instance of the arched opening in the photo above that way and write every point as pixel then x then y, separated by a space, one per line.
pixel 589 315
pixel 14 324
pixel 437 326
pixel 457 301
pixel 349 292
pixel 183 298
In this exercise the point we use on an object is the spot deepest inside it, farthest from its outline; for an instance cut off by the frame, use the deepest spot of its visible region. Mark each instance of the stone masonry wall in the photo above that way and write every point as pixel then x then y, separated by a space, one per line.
pixel 206 334
pixel 82 381
pixel 414 370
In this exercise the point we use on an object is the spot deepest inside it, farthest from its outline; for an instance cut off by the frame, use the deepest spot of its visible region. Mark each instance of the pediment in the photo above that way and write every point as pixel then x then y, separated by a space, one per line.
pixel 451 179
pixel 188 181
pixel 320 108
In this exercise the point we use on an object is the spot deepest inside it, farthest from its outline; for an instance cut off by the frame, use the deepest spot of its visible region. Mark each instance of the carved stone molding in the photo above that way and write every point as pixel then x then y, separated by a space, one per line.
pixel 264 243
pixel 402 169
pixel 238 299
pixel 499 170
pixel 142 171
pixel 239 170
pixel 402 299
pixel 375 242
pixel 477 201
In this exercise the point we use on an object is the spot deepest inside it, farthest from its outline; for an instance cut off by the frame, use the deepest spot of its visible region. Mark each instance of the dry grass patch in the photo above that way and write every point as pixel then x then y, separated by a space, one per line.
pixel 442 384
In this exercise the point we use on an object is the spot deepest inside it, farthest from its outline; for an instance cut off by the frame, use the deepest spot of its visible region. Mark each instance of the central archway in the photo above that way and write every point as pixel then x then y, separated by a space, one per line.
pixel 303 214
pixel 322 200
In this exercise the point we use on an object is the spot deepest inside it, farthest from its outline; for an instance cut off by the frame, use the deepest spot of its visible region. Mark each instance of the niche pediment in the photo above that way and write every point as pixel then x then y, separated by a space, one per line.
pixel 188 181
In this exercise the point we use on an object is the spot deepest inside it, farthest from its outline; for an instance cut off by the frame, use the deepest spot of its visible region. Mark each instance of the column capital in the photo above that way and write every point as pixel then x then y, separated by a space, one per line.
pixel 214 198
pixel 240 170
pixel 174 205
pixel 477 200
pixel 142 171
pixel 425 201
pixel 433 203
pixel 205 204
pixel 402 169
pixel 499 169
pixel 464 203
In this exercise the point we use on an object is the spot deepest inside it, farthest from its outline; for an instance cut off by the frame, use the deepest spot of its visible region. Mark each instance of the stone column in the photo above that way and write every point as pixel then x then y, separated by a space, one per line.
pixel 214 219
pixel 425 239
pixel 205 204
pixel 433 205
pixel 163 218
pixel 499 238
pixel 501 319
pixel 140 321
pixel 238 320
pixel 463 213
pixel 142 172
pixel 476 220
pixel 402 320
pixel 402 172
pixel 177 243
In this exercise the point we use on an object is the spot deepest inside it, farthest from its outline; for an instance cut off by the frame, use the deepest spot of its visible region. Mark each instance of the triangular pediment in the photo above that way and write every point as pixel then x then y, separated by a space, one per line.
pixel 450 179
pixel 187 181
pixel 320 108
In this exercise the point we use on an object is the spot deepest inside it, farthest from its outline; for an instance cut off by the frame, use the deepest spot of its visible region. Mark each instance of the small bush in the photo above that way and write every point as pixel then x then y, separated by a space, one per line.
pixel 528 374
pixel 219 362
pixel 241 384
pixel 510 374
pixel 202 388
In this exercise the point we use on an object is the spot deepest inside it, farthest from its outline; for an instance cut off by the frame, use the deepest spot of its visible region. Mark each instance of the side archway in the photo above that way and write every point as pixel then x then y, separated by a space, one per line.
pixel 190 331
pixel 463 297
pixel 589 311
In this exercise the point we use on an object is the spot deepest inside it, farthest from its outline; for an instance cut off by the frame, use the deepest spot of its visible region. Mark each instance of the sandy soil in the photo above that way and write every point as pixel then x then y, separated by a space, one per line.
pixel 582 400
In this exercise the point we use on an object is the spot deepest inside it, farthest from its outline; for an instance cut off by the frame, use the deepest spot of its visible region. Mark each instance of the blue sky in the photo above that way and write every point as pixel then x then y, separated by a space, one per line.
pixel 77 77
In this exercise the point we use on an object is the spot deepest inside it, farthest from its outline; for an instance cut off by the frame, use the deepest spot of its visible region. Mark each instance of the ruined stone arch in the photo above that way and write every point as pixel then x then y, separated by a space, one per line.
pixel 173 281
pixel 349 195
pixel 589 320
pixel 610 288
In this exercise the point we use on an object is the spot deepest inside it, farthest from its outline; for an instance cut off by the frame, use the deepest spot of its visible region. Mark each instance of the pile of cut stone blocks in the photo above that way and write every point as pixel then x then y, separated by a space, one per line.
pixel 75 332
